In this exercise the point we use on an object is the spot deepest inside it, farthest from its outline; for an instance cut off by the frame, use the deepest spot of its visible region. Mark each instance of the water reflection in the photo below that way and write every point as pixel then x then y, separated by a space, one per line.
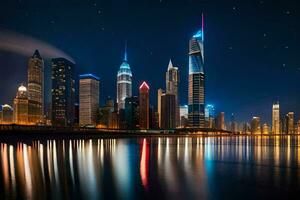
pixel 164 167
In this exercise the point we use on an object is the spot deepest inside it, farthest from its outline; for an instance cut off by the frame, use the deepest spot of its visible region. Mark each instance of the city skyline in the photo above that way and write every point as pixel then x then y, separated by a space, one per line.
pixel 244 103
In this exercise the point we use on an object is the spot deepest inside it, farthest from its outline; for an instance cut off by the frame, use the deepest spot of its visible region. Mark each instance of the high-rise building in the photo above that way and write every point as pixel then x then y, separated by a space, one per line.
pixel 275 119
pixel 36 88
pixel 160 92
pixel 220 121
pixel 124 82
pixel 144 105
pixel 21 106
pixel 196 96
pixel 63 92
pixel 233 124
pixel 255 126
pixel 210 116
pixel 6 114
pixel 172 81
pixel 290 123
pixel 184 116
pixel 265 129
pixel 132 112
pixel 168 111
pixel 88 99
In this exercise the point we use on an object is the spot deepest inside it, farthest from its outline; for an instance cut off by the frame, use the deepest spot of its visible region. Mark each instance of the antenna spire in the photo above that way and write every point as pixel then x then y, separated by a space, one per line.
pixel 125 53
pixel 202 26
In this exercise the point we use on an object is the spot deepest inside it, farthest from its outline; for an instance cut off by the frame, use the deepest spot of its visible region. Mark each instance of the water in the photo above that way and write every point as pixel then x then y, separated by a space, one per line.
pixel 152 168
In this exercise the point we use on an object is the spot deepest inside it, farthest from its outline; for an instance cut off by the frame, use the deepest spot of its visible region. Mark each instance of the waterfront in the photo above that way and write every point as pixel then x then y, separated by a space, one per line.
pixel 152 167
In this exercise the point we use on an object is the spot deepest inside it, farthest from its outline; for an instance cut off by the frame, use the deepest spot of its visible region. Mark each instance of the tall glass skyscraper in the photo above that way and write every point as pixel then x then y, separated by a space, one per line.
pixel 196 96
pixel 36 88
pixel 63 92
pixel 124 82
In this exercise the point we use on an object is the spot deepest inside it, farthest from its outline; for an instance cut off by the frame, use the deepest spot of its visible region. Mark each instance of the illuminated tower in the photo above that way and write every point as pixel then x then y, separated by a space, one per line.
pixel 160 92
pixel 88 99
pixel 21 106
pixel 275 119
pixel 196 98
pixel 172 80
pixel 124 82
pixel 63 92
pixel 144 105
pixel 36 88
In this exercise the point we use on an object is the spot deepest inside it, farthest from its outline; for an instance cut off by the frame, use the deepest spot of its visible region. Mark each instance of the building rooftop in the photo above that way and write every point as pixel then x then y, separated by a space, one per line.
pixel 86 76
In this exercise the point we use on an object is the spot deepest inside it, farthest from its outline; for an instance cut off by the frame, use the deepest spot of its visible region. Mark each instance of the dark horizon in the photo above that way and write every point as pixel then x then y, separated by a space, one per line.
pixel 249 63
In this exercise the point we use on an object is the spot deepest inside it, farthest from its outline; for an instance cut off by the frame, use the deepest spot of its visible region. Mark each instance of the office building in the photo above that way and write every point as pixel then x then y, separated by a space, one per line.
pixel 63 92
pixel 21 106
pixel 220 121
pixel 255 126
pixel 196 89
pixel 6 114
pixel 36 88
pixel 88 99
pixel 144 106
pixel 160 92
pixel 275 119
pixel 168 111
pixel 132 112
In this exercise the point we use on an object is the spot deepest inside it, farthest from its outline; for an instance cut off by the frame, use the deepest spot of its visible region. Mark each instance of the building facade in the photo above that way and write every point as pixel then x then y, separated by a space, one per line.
pixel 220 121
pixel 132 112
pixel 144 106
pixel 6 114
pixel 88 99
pixel 160 92
pixel 36 88
pixel 172 83
pixel 275 118
pixel 168 111
pixel 21 105
pixel 63 92
pixel 196 90
pixel 255 126
pixel 124 83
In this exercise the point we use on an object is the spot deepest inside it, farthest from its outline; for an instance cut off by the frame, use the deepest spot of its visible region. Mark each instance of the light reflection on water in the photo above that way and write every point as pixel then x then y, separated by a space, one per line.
pixel 157 167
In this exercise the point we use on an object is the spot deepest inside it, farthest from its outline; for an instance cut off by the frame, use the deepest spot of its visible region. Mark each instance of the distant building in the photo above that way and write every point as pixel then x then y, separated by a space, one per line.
pixel 168 111
pixel 275 119
pixel 220 121
pixel 63 92
pixel 265 129
pixel 124 82
pixel 290 123
pixel 36 88
pixel 144 105
pixel 183 116
pixel 172 83
pixel 6 114
pixel 21 106
pixel 153 118
pixel 233 124
pixel 88 99
pixel 255 126
pixel 132 112
pixel 210 116
pixel 160 92
pixel 105 112
pixel 298 127
pixel 196 89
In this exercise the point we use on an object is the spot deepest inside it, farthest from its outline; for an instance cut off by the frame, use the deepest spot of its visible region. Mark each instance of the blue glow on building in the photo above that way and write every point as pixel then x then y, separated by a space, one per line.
pixel 82 76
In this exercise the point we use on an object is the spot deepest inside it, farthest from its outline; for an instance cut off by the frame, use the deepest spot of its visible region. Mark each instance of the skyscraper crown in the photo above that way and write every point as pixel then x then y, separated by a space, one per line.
pixel 36 54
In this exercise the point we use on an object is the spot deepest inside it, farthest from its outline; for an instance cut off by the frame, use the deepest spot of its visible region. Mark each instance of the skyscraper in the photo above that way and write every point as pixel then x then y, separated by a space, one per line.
pixel 63 92
pixel 6 114
pixel 124 82
pixel 160 92
pixel 36 88
pixel 88 99
pixel 220 121
pixel 196 96
pixel 255 126
pixel 172 81
pixel 290 123
pixel 275 119
pixel 168 111
pixel 132 112
pixel 144 105
pixel 21 106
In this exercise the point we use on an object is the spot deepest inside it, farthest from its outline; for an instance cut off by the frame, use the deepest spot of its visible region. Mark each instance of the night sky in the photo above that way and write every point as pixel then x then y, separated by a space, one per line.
pixel 251 47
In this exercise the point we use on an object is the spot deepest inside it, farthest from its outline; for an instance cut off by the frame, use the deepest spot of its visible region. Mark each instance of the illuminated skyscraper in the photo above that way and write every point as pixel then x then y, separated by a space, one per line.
pixel 275 119
pixel 6 114
pixel 289 123
pixel 172 81
pixel 124 82
pixel 36 88
pixel 63 92
pixel 220 121
pixel 196 97
pixel 88 99
pixel 255 126
pixel 21 106
pixel 144 105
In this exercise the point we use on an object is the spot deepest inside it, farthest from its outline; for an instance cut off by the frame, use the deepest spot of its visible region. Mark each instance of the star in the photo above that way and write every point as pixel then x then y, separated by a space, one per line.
pixel 283 65
pixel 287 12
pixel 265 46
pixel 52 22
pixel 230 47
pixel 99 12
pixel 265 35
pixel 233 8
pixel 286 47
